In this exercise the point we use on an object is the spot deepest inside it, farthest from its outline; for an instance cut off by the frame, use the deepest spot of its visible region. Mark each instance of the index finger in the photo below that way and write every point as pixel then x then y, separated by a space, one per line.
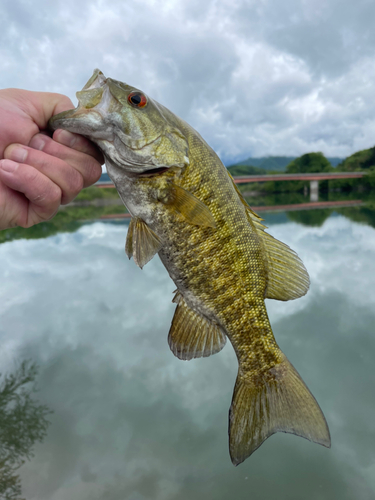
pixel 79 143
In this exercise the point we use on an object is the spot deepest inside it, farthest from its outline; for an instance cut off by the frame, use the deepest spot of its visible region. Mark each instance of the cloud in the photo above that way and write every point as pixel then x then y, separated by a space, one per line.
pixel 254 78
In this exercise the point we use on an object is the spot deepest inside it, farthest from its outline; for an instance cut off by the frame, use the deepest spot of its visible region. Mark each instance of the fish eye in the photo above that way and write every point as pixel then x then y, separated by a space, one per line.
pixel 137 99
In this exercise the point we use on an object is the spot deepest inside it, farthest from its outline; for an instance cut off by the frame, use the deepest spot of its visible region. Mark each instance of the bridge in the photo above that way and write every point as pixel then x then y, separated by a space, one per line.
pixel 271 208
pixel 314 179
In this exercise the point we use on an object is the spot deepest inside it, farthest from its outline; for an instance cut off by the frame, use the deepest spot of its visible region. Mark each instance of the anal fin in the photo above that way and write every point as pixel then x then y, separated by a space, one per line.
pixel 192 335
pixel 141 242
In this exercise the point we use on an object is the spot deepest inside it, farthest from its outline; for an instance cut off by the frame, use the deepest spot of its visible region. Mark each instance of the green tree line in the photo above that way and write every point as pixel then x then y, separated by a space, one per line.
pixel 363 161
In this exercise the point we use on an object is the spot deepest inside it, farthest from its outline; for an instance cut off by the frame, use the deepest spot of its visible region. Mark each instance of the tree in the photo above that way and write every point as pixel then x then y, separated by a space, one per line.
pixel 310 162
pixel 22 423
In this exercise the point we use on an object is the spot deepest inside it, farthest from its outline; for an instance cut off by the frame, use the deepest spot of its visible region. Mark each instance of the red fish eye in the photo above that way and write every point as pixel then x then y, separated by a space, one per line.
pixel 137 99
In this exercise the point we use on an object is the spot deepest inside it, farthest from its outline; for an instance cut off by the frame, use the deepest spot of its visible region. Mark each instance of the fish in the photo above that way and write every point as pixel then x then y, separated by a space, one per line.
pixel 186 208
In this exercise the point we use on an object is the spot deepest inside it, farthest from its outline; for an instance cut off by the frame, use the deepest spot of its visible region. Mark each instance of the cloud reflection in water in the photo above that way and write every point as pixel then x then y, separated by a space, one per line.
pixel 132 421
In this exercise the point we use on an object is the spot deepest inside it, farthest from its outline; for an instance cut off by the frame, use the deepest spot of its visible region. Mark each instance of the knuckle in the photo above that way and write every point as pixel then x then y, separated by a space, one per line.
pixel 75 182
pixel 23 222
pixel 96 174
pixel 93 172
pixel 54 195
pixel 32 176
pixel 51 214
pixel 49 197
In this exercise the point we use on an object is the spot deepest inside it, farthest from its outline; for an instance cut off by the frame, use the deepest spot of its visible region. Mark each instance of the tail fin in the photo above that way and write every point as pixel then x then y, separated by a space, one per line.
pixel 281 402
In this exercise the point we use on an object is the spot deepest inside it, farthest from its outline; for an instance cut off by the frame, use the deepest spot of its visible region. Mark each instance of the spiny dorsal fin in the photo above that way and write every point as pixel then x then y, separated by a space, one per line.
pixel 141 242
pixel 191 335
pixel 287 276
pixel 276 401
pixel 189 206
pixel 254 216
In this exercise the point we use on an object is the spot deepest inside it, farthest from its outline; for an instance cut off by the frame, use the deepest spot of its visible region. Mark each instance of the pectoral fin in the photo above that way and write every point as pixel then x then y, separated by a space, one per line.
pixel 189 206
pixel 191 335
pixel 141 242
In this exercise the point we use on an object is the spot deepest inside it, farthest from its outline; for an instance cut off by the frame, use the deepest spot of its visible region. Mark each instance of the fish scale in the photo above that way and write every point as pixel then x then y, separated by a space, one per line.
pixel 186 208
pixel 241 254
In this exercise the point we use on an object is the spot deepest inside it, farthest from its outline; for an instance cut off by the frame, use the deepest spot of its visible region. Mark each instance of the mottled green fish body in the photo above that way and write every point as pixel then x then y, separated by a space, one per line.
pixel 186 208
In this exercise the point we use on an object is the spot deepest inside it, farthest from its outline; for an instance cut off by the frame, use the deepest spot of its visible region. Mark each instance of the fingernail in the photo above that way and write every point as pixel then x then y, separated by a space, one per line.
pixel 37 142
pixel 17 153
pixel 8 165
pixel 67 138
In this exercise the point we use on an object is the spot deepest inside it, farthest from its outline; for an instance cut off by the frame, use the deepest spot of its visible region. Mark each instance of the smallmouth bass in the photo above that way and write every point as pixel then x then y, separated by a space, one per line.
pixel 186 207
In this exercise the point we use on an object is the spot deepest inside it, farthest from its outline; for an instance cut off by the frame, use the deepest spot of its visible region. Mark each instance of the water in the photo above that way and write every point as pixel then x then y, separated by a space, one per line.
pixel 131 421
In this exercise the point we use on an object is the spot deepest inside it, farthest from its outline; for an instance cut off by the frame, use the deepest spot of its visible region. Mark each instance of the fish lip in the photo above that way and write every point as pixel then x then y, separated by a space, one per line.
pixel 53 123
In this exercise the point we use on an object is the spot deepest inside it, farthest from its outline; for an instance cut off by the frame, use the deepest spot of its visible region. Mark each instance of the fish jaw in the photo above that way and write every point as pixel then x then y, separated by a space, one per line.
pixel 135 139
pixel 82 121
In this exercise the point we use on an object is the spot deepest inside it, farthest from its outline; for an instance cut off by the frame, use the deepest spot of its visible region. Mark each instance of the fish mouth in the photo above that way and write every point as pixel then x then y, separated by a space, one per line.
pixel 80 121
pixel 57 120
pixel 152 172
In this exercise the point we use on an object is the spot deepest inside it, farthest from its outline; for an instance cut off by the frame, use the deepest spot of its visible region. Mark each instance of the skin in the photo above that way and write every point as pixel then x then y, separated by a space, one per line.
pixel 39 173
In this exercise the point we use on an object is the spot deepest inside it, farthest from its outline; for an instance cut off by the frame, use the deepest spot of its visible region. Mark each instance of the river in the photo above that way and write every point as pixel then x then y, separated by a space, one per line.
pixel 131 421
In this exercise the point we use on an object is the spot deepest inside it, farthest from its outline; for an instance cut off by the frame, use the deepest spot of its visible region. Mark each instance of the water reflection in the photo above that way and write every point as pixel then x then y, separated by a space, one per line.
pixel 23 422
pixel 132 421
pixel 71 218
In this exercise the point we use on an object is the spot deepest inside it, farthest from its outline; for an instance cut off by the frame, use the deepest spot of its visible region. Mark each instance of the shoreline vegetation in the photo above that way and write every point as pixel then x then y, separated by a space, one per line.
pixel 92 203
pixel 362 161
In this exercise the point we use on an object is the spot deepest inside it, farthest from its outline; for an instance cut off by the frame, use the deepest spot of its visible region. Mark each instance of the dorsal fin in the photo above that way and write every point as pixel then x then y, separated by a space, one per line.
pixel 141 242
pixel 191 335
pixel 254 215
pixel 287 276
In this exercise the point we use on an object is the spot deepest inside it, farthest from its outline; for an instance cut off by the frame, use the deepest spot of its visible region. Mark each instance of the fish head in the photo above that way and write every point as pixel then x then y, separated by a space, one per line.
pixel 134 132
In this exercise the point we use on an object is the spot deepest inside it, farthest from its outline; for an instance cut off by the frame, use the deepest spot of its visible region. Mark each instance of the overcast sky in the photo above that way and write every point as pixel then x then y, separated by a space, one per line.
pixel 255 78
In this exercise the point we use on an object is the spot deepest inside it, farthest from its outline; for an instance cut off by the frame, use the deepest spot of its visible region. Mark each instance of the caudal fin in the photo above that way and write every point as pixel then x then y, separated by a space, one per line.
pixel 281 402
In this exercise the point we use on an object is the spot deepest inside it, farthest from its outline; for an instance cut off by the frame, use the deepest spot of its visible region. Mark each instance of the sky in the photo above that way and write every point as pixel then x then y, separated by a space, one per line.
pixel 255 78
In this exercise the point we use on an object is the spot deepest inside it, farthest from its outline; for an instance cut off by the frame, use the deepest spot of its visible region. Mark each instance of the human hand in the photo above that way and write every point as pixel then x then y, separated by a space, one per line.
pixel 37 172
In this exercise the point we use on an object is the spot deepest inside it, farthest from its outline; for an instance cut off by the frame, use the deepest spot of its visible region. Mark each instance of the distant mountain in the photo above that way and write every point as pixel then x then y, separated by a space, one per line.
pixel 334 161
pixel 267 162
pixel 245 170
pixel 104 177
pixel 275 163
